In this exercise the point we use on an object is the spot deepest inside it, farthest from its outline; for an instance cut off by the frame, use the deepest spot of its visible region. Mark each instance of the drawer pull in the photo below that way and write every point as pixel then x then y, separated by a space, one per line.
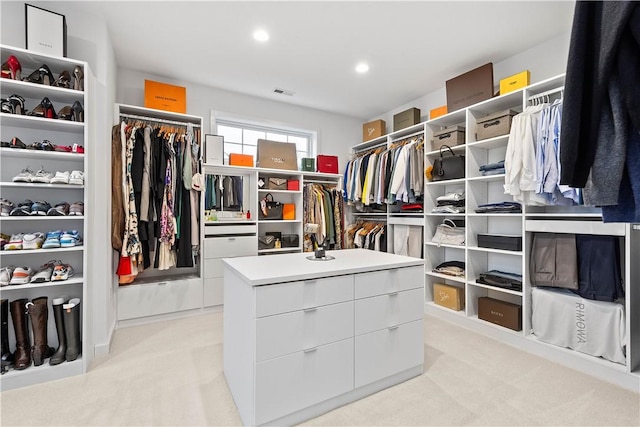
pixel 162 283
pixel 310 350
pixel 232 238
pixel 393 328
pixel 310 282
pixel 393 294
pixel 310 309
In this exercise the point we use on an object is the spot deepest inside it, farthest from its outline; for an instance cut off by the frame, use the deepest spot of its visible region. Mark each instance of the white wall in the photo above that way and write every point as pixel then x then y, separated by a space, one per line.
pixel 336 132
pixel 544 61
pixel 87 40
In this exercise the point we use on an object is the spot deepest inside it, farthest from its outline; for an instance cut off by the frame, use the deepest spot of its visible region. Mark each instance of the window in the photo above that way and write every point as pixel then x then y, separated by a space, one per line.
pixel 243 138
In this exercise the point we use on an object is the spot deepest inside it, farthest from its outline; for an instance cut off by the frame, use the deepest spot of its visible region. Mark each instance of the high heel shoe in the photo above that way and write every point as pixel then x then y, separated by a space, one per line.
pixel 64 80
pixel 42 75
pixel 13 105
pixel 44 109
pixel 78 112
pixel 78 78
pixel 11 69
pixel 65 113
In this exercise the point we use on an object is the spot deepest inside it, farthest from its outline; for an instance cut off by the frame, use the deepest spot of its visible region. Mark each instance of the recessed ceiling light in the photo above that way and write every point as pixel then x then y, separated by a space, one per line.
pixel 362 68
pixel 261 35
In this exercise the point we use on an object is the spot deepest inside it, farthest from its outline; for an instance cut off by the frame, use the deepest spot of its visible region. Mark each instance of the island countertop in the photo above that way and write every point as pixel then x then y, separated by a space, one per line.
pixel 263 270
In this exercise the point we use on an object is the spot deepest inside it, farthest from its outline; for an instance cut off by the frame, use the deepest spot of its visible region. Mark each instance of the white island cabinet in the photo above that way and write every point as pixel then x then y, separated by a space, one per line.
pixel 303 337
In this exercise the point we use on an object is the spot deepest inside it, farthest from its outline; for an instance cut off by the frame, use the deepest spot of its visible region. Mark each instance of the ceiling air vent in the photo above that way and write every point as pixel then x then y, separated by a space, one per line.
pixel 283 92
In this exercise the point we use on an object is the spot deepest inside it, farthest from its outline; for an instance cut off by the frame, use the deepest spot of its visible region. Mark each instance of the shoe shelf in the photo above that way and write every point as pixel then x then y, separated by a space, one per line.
pixel 42 218
pixel 34 90
pixel 74 280
pixel 40 123
pixel 40 154
pixel 42 251
pixel 39 185
pixel 39 374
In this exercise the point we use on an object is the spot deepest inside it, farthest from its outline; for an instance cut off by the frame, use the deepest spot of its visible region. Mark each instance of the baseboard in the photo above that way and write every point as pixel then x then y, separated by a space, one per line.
pixel 101 350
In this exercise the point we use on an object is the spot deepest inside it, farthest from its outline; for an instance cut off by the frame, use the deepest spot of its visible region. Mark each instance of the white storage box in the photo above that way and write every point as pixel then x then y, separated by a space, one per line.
pixel 565 319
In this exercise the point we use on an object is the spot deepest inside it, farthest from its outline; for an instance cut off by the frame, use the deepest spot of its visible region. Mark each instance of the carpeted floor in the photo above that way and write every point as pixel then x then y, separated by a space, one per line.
pixel 170 373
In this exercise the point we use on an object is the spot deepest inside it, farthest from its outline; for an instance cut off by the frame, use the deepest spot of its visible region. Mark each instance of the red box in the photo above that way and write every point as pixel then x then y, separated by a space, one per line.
pixel 327 164
pixel 293 185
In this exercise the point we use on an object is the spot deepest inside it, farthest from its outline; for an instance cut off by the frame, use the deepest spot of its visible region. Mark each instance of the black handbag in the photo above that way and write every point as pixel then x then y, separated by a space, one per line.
pixel 266 242
pixel 450 167
pixel 269 208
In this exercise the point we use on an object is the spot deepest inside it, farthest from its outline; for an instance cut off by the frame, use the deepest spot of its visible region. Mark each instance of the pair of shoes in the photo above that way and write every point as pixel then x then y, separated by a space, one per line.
pixel 5 275
pixel 44 109
pixel 17 143
pixel 75 178
pixel 32 241
pixel 11 68
pixel 77 208
pixel 70 239
pixel 20 275
pixel 60 209
pixel 14 104
pixel 6 206
pixel 45 145
pixel 27 175
pixel 40 208
pixel 53 271
pixel 42 75
pixel 4 239
pixel 73 112
pixel 75 148
pixel 67 319
pixel 22 209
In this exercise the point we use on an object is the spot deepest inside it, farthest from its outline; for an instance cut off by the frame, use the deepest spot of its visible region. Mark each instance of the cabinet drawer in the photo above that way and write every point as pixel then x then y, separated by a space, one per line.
pixel 389 351
pixel 224 247
pixel 213 292
pixel 293 296
pixel 387 310
pixel 293 382
pixel 218 229
pixel 213 267
pixel 298 330
pixel 142 300
pixel 385 281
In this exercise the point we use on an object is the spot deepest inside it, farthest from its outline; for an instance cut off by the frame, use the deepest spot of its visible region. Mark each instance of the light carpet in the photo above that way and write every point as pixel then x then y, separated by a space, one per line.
pixel 170 373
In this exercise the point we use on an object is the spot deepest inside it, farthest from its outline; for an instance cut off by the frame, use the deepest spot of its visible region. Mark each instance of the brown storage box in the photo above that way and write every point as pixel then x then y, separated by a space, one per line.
pixel 448 296
pixel 495 124
pixel 277 155
pixel 500 312
pixel 406 118
pixel 470 88
pixel 374 129
pixel 450 136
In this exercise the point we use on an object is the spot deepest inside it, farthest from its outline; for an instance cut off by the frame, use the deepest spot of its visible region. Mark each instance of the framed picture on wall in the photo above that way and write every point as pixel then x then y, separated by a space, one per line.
pixel 214 149
pixel 46 31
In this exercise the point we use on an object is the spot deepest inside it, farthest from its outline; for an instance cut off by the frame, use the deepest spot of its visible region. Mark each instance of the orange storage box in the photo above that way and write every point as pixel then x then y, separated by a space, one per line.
pixel 289 211
pixel 437 112
pixel 240 160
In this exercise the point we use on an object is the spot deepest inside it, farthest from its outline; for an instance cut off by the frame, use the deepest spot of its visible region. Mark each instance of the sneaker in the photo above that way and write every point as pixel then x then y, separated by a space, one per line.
pixel 45 272
pixel 61 209
pixel 15 243
pixel 77 149
pixel 69 239
pixel 5 275
pixel 52 240
pixel 60 178
pixel 6 207
pixel 4 239
pixel 40 208
pixel 42 176
pixel 21 276
pixel 33 240
pixel 25 176
pixel 76 208
pixel 61 272
pixel 76 178
pixel 22 209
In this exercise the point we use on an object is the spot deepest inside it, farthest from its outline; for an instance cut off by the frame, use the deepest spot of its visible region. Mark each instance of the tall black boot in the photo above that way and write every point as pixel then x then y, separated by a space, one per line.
pixel 58 316
pixel 72 329
pixel 38 310
pixel 7 356
pixel 22 357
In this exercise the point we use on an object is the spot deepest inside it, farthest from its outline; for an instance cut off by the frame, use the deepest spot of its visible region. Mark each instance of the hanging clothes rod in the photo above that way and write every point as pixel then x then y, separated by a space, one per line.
pixel 549 92
pixel 158 120
pixel 370 148
pixel 404 138
pixel 314 181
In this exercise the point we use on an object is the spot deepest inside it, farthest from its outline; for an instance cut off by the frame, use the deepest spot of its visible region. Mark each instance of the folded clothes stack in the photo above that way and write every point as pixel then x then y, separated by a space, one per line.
pixel 451 268
pixel 450 203
pixel 501 207
pixel 492 168
pixel 501 279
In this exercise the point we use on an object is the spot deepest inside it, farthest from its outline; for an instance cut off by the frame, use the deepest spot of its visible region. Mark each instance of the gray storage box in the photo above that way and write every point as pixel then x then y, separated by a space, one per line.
pixel 500 241
pixel 495 124
pixel 450 136
pixel 406 118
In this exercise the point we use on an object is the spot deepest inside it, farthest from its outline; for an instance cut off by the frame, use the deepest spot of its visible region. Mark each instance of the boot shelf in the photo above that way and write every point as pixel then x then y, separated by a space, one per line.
pixel 77 279
pixel 38 374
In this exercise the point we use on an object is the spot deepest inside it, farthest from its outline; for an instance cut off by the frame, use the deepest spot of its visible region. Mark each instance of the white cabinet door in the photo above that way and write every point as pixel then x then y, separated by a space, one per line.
pixel 213 292
pixel 298 330
pixel 299 380
pixel 213 267
pixel 159 298
pixel 385 281
pixel 293 296
pixel 388 351
pixel 387 310
pixel 225 247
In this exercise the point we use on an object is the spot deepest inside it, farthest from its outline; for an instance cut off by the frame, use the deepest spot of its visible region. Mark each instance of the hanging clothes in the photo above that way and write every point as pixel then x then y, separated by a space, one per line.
pixel 323 206
pixel 366 235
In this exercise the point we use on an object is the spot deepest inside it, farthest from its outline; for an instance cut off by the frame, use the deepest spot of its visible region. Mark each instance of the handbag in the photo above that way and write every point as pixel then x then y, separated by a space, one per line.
pixel 269 208
pixel 277 183
pixel 266 242
pixel 451 167
pixel 448 233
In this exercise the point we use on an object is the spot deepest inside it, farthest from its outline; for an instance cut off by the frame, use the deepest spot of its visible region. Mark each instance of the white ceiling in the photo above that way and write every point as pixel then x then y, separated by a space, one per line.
pixel 411 47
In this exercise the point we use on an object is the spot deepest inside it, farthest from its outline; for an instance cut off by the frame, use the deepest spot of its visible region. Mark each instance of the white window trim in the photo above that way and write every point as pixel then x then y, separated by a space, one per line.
pixel 273 124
